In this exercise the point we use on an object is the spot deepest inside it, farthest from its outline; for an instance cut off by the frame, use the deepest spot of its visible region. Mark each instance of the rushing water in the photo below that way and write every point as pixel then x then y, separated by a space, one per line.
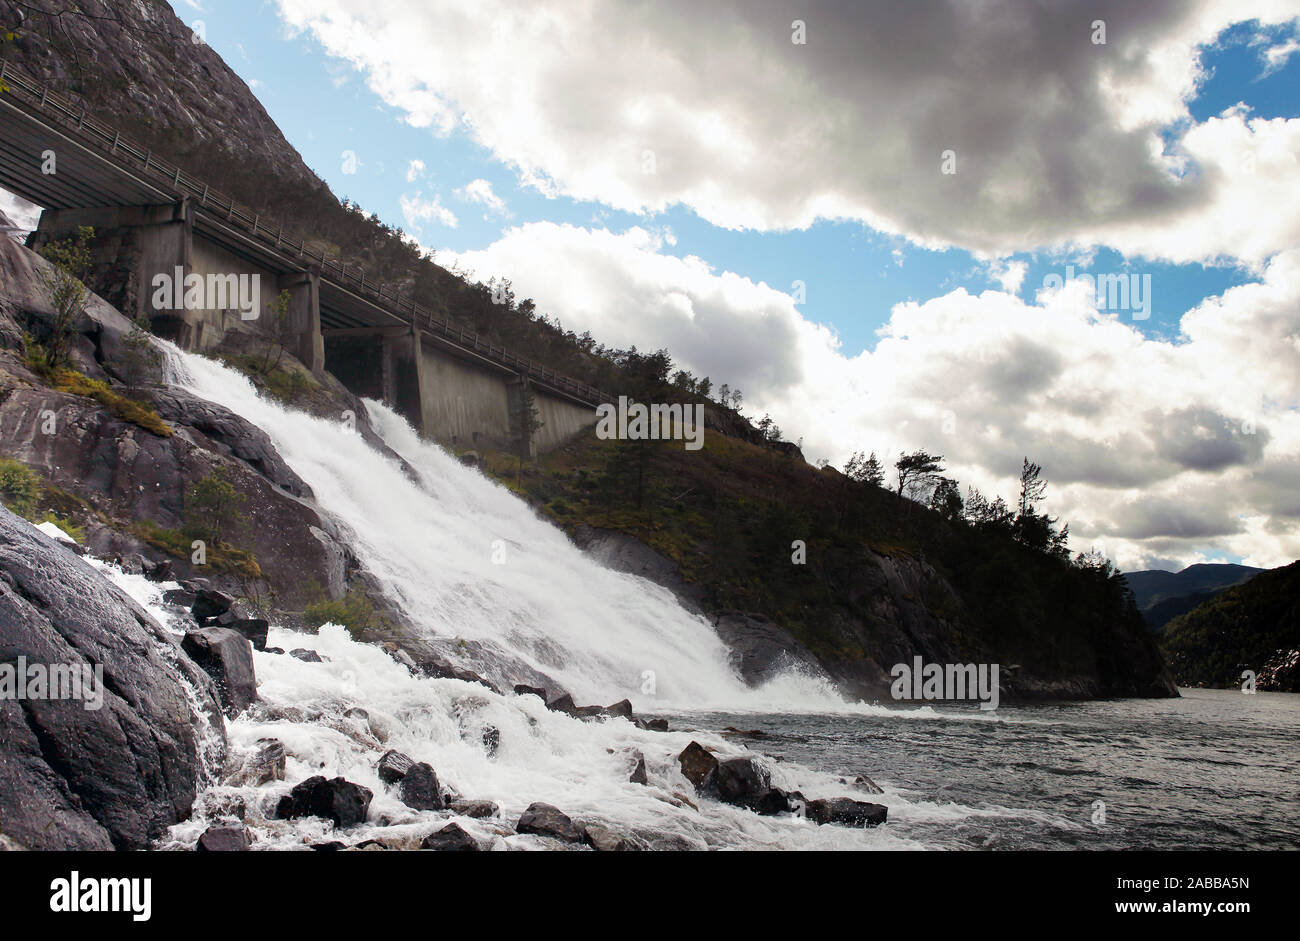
pixel 465 558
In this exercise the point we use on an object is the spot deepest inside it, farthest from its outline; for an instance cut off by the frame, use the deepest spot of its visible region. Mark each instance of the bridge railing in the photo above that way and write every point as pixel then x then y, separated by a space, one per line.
pixel 218 205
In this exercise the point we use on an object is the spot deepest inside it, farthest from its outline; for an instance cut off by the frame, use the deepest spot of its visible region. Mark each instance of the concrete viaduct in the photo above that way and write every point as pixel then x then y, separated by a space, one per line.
pixel 151 218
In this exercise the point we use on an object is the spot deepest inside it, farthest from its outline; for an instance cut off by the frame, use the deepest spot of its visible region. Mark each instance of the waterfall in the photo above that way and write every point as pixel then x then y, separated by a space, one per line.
pixel 464 558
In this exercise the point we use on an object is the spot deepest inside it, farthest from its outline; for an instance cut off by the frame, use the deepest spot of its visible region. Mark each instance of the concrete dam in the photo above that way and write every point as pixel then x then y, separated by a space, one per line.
pixel 160 231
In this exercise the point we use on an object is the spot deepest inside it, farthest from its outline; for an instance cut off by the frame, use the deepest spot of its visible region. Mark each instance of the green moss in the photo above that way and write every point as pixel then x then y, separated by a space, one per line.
pixel 285 384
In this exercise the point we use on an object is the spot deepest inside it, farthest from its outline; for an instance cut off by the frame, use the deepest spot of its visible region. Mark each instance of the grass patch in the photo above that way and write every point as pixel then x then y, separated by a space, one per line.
pixel 221 556
pixel 119 406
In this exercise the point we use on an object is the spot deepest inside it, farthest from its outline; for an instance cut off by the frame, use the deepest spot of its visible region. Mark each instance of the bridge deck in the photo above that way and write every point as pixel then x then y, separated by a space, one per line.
pixel 98 167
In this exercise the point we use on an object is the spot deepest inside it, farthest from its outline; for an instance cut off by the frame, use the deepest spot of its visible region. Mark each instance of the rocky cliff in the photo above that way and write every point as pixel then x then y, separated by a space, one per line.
pixel 80 774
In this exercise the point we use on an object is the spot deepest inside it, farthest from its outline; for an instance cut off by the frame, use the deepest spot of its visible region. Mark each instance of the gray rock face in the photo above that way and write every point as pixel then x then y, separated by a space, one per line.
pixel 761 649
pixel 78 778
pixel 227 656
pixel 230 434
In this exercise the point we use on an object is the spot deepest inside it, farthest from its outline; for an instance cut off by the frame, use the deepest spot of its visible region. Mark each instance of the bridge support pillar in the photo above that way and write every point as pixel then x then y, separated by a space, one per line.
pixel 132 246
pixel 304 317
pixel 383 363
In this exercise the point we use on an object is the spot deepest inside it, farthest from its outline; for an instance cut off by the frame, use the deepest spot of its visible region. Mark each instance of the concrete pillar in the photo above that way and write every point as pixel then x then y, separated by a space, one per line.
pixel 134 244
pixel 304 316
pixel 383 363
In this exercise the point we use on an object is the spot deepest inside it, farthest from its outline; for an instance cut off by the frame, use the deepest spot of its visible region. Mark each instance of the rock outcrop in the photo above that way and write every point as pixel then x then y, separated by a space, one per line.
pixel 114 776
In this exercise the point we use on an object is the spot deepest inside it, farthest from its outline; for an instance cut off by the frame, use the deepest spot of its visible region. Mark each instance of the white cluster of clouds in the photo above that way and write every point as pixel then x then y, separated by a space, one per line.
pixel 1158 449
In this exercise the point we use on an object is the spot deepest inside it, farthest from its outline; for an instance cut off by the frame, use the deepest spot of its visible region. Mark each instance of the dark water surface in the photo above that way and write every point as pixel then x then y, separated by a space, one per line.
pixel 1217 769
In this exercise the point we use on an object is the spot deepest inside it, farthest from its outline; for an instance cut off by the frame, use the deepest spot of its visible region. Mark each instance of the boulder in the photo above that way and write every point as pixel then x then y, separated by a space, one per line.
pixel 393 766
pixel 339 800
pixel 846 811
pixel 255 629
pixel 227 656
pixel 450 839
pixel 221 838
pixel 621 709
pixel 546 820
pixel 604 840
pixel 698 765
pixel 306 655
pixel 208 603
pixel 652 725
pixel 562 703
pixel 474 808
pixel 741 781
pixel 93 779
pixel 179 597
pixel 419 788
pixel 160 571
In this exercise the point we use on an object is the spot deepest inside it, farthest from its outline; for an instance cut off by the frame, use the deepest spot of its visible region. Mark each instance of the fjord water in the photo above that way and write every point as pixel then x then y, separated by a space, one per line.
pixel 465 558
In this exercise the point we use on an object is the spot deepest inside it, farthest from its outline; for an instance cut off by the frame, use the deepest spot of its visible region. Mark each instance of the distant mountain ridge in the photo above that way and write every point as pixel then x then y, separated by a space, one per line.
pixel 1162 596
pixel 1254 626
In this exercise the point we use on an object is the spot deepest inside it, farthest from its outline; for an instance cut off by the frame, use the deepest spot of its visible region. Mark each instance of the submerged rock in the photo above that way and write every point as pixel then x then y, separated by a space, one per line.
pixel 638 775
pixel 847 812
pixel 604 840
pixel 264 765
pixel 306 655
pixel 546 820
pixel 339 800
pixel 474 808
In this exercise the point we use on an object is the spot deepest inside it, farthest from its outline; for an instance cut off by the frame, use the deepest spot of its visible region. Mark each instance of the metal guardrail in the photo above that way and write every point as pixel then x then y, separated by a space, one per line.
pixel 105 137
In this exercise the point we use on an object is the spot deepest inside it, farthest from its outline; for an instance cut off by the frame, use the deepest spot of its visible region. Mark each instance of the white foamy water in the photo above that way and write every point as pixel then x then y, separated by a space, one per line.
pixel 600 633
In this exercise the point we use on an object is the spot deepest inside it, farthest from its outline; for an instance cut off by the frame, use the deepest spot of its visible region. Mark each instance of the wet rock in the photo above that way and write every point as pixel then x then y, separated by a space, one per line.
pixel 419 788
pixel 275 650
pixel 846 812
pixel 866 784
pixel 562 703
pixel 338 799
pixel 775 801
pixel 255 629
pixel 160 571
pixel 546 820
pixel 622 709
pixel 698 765
pixel 264 765
pixel 741 781
pixel 208 603
pixel 638 775
pixel 652 725
pixel 305 655
pixel 476 809
pixel 604 840
pixel 393 766
pixel 491 739
pixel 356 712
pixel 179 597
pixel 222 838
pixel 226 656
pixel 522 689
pixel 450 839
pixel 92 779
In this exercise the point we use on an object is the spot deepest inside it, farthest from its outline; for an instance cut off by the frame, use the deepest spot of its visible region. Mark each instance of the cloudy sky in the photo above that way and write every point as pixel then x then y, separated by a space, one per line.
pixel 870 217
